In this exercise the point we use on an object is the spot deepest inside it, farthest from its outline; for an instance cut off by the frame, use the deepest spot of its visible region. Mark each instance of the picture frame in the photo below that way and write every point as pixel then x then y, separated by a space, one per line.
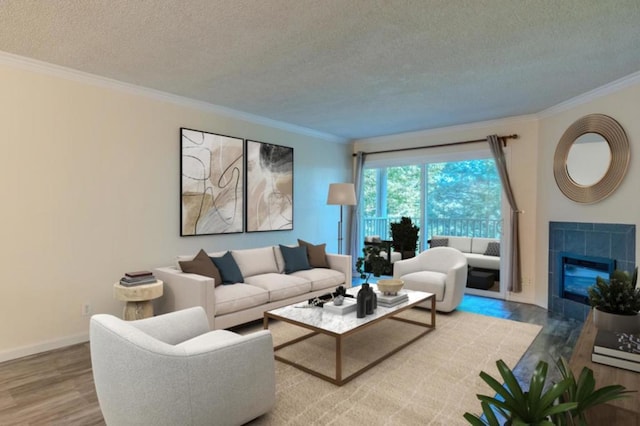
pixel 269 195
pixel 212 180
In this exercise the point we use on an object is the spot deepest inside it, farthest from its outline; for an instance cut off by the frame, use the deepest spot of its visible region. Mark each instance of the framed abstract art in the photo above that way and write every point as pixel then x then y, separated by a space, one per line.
pixel 212 183
pixel 269 196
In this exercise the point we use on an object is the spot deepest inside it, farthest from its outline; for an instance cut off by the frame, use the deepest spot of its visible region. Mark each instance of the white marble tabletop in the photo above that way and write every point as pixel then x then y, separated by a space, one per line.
pixel 340 324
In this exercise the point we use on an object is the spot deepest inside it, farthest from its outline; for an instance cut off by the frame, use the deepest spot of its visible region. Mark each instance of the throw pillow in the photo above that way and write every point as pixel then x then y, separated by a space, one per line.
pixel 202 265
pixel 228 269
pixel 316 254
pixel 493 249
pixel 295 259
pixel 439 242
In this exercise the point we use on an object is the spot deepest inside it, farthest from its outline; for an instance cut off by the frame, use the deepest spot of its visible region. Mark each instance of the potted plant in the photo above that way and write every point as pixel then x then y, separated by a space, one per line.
pixel 405 237
pixel 371 263
pixel 563 403
pixel 616 302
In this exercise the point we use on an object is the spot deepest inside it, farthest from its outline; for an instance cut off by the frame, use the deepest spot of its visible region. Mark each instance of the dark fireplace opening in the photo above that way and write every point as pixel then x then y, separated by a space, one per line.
pixel 580 272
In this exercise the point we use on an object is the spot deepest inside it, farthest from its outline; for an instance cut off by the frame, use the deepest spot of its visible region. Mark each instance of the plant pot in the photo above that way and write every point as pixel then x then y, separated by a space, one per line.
pixel 614 322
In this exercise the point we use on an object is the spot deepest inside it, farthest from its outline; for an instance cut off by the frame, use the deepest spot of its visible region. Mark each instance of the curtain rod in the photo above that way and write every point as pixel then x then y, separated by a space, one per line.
pixel 502 138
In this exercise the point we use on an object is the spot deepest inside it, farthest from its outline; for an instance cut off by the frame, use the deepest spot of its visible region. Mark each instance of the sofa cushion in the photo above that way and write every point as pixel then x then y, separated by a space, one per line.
pixel 429 281
pixel 439 242
pixel 202 265
pixel 475 260
pixel 321 278
pixel 255 261
pixel 280 286
pixel 238 297
pixel 316 254
pixel 461 243
pixel 228 268
pixel 479 245
pixel 295 258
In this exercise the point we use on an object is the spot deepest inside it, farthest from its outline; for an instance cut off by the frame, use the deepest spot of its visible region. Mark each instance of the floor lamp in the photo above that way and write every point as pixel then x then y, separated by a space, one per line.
pixel 342 194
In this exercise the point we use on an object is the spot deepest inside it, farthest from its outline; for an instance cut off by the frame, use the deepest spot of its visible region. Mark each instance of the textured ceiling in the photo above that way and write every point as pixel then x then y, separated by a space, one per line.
pixel 349 68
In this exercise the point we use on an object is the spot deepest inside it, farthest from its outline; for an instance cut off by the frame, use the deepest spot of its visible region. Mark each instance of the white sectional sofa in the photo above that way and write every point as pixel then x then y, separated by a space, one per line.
pixel 265 286
pixel 474 250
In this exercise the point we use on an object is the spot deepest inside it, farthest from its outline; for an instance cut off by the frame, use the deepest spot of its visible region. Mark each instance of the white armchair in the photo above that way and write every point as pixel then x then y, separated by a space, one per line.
pixel 171 370
pixel 439 270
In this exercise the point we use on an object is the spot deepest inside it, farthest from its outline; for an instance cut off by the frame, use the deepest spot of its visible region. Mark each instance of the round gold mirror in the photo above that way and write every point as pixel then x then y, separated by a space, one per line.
pixel 591 158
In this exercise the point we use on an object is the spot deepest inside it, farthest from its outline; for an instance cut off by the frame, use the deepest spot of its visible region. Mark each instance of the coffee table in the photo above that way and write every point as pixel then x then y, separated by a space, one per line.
pixel 338 326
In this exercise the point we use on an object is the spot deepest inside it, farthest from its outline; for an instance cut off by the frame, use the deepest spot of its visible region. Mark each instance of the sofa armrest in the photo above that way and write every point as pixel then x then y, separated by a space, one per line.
pixel 342 263
pixel 183 290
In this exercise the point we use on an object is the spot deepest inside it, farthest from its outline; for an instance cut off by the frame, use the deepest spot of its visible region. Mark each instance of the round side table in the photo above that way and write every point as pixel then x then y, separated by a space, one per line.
pixel 139 299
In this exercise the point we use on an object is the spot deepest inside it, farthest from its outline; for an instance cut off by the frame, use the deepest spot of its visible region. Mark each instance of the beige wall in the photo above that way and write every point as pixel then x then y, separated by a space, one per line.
pixel 89 179
pixel 623 206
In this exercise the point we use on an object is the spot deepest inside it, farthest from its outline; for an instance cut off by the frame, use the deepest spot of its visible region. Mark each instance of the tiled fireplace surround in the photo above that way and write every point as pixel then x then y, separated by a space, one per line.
pixel 609 240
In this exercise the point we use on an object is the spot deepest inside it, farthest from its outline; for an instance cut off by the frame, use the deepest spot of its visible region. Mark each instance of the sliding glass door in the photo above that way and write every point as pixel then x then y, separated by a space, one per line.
pixel 446 196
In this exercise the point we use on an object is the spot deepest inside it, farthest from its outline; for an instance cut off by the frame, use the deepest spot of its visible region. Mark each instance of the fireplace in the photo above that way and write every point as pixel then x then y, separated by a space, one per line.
pixel 615 241
pixel 580 272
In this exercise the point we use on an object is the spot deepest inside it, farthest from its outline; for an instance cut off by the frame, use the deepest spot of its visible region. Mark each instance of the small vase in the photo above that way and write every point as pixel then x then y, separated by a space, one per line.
pixel 615 322
pixel 361 300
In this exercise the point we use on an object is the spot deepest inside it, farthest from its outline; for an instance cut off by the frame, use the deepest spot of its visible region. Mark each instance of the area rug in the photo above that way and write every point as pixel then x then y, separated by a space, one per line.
pixel 433 381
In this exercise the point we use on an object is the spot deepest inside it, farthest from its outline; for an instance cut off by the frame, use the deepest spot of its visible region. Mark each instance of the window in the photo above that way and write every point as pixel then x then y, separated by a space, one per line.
pixel 458 198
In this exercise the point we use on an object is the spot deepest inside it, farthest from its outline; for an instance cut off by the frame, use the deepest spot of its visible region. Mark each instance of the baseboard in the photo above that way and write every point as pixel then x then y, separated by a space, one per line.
pixel 43 347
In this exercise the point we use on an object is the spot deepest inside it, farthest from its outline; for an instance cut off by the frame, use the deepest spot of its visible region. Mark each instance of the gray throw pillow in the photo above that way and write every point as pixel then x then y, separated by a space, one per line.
pixel 493 249
pixel 439 242
pixel 228 269
pixel 295 259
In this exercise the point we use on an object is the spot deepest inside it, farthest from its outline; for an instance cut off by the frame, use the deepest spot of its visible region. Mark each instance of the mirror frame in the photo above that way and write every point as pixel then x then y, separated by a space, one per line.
pixel 614 135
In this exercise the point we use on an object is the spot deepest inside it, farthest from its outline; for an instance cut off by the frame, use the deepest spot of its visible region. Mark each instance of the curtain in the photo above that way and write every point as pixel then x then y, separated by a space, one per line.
pixel 515 281
pixel 355 223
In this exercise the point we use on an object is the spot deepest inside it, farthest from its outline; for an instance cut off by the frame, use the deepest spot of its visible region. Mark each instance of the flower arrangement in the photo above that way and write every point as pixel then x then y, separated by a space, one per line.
pixel 619 295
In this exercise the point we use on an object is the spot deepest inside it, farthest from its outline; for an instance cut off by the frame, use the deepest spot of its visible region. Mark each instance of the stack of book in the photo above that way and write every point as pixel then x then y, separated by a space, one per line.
pixel 131 279
pixel 388 301
pixel 616 349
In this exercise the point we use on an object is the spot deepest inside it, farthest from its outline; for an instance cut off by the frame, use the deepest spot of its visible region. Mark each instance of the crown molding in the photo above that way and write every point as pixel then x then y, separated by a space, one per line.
pixel 607 89
pixel 34 65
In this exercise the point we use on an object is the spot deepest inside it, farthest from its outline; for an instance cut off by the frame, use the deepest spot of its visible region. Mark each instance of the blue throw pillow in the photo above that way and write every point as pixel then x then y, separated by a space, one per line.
pixel 228 269
pixel 295 259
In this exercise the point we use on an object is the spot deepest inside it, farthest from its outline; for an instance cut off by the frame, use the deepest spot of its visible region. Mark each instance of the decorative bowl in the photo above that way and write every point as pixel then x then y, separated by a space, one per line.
pixel 390 286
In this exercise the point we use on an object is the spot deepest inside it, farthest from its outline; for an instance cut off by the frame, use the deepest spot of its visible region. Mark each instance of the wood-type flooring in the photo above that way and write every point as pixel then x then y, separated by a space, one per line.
pixel 56 387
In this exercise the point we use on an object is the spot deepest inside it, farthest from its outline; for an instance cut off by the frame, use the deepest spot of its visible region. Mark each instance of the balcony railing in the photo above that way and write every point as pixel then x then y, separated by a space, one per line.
pixel 455 227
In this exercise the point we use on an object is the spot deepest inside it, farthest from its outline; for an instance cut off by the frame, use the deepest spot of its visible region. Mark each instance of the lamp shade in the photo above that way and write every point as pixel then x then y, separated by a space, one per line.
pixel 343 194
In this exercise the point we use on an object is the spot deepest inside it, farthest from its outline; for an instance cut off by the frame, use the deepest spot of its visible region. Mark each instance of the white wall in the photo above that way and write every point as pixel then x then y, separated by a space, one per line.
pixel 89 180
pixel 623 206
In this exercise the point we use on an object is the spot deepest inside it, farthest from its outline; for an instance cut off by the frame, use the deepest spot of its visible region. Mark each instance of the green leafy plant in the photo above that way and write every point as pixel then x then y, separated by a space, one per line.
pixel 371 263
pixel 563 403
pixel 405 236
pixel 619 295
